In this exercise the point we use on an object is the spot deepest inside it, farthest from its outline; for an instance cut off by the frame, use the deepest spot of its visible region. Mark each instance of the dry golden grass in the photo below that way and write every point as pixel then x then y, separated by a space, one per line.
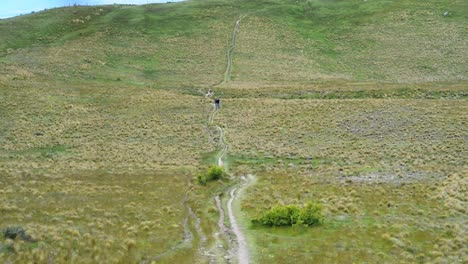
pixel 388 172
pixel 100 127
pixel 96 172
pixel 101 131
pixel 395 135
pixel 92 217
pixel 398 221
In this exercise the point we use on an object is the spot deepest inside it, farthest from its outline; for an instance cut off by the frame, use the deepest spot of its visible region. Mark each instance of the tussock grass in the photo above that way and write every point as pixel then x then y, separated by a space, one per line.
pixel 362 221
pixel 93 217
pixel 378 166
pixel 353 135
pixel 358 104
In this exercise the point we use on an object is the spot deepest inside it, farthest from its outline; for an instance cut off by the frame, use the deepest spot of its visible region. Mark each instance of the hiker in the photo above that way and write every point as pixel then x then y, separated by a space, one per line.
pixel 209 93
pixel 216 100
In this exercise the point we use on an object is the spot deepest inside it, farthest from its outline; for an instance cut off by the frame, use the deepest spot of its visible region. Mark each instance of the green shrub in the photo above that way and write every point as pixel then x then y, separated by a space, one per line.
pixel 212 173
pixel 215 173
pixel 311 214
pixel 13 232
pixel 288 215
pixel 280 216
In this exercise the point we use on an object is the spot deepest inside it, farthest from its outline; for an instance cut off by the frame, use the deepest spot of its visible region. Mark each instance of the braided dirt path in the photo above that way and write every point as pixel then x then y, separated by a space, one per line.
pixel 241 249
pixel 221 142
pixel 241 245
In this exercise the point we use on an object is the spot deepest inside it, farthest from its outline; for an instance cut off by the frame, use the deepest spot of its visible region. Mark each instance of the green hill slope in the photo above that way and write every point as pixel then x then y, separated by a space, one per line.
pixel 279 42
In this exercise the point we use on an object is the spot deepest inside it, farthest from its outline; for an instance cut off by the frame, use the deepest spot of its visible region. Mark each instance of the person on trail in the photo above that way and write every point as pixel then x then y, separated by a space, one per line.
pixel 209 93
pixel 216 100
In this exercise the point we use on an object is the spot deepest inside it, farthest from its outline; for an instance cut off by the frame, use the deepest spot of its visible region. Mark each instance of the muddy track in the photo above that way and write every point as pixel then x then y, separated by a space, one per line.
pixel 197 224
pixel 219 206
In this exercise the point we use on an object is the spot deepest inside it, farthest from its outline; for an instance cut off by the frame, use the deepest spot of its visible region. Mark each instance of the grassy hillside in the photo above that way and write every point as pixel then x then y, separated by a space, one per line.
pixel 358 105
pixel 280 42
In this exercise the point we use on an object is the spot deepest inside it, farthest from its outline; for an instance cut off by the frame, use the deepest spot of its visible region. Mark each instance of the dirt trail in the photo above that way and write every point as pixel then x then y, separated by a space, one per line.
pixel 230 52
pixel 237 251
pixel 241 245
pixel 224 147
pixel 198 229
pixel 219 206
pixel 242 248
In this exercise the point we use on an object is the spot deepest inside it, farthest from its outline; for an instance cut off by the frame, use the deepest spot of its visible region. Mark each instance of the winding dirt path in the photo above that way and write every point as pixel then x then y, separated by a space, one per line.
pixel 237 249
pixel 230 52
pixel 241 249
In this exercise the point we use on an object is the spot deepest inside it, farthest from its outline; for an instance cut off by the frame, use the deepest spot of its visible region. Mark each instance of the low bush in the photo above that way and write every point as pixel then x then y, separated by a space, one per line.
pixel 13 232
pixel 311 214
pixel 212 173
pixel 288 215
pixel 215 173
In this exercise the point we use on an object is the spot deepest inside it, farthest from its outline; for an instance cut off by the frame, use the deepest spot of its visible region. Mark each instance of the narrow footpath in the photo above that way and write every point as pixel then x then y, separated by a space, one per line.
pixel 238 250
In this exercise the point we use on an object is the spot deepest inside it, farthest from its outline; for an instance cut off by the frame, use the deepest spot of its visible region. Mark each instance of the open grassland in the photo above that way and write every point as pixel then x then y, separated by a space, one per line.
pixel 370 220
pixel 92 217
pixel 86 126
pixel 358 105
pixel 390 173
pixel 349 136
pixel 93 172
pixel 396 41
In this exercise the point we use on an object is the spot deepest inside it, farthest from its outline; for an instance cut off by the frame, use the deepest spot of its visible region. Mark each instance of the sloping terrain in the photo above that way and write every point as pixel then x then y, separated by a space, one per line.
pixel 358 105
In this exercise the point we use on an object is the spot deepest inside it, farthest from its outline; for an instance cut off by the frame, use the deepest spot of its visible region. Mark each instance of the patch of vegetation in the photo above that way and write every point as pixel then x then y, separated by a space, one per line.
pixel 213 173
pixel 13 232
pixel 289 215
pixel 6 248
pixel 251 161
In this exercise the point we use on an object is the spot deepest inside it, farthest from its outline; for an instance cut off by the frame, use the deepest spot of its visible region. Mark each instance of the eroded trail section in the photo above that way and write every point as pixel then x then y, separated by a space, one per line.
pixel 230 52
pixel 221 143
pixel 242 248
